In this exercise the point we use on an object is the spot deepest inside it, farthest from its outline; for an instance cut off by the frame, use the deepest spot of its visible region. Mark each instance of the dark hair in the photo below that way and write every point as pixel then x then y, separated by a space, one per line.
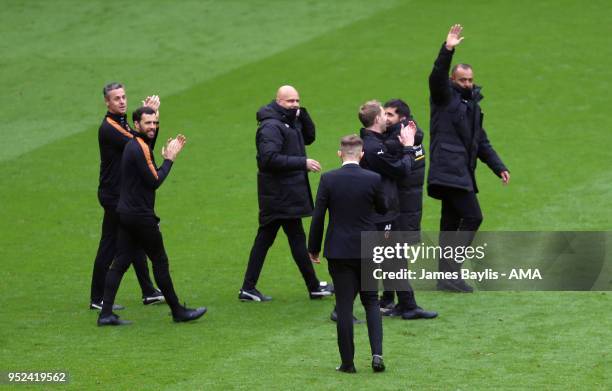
pixel 368 112
pixel 401 107
pixel 111 86
pixel 137 114
pixel 462 66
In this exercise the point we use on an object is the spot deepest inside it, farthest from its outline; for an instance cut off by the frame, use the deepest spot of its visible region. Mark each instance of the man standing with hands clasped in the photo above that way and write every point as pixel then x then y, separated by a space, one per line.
pixel 457 141
pixel 139 225
pixel 351 194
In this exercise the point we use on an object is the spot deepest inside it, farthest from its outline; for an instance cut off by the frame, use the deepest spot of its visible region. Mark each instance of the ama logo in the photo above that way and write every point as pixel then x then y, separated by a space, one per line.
pixel 528 274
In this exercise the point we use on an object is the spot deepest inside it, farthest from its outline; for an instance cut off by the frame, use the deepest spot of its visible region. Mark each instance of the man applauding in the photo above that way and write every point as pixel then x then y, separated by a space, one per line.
pixel 139 226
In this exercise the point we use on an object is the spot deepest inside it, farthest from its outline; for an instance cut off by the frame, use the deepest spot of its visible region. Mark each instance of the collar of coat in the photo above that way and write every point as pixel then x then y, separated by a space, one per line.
pixel 275 111
pixel 121 119
pixel 476 94
pixel 363 132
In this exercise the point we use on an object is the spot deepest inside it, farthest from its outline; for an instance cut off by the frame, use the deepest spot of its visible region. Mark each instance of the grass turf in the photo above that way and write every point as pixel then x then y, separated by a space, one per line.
pixel 214 64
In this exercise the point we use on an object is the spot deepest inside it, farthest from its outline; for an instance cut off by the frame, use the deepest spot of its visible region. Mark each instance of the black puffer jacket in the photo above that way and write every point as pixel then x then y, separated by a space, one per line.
pixel 282 181
pixel 457 136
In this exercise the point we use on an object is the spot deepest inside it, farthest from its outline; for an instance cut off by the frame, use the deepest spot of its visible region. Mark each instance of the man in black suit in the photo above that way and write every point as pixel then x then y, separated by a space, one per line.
pixel 351 194
pixel 457 141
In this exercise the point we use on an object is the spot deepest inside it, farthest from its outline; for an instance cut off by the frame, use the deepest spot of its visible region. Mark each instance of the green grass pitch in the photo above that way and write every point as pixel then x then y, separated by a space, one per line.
pixel 545 68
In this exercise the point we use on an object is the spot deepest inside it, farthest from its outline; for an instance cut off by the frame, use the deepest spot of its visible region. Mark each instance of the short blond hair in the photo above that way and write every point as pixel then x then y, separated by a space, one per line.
pixel 368 112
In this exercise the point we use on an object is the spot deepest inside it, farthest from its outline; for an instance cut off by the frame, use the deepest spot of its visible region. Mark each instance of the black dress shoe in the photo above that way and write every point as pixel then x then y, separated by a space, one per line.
pixel 188 314
pixel 334 318
pixel 457 286
pixel 378 365
pixel 346 368
pixel 112 320
pixel 418 313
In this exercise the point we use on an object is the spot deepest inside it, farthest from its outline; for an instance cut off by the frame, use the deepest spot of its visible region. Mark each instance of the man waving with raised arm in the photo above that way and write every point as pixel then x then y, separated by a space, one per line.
pixel 457 141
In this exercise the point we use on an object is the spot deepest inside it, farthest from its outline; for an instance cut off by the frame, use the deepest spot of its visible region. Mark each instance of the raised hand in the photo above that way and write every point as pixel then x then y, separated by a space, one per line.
pixel 406 136
pixel 173 146
pixel 181 140
pixel 454 37
pixel 152 102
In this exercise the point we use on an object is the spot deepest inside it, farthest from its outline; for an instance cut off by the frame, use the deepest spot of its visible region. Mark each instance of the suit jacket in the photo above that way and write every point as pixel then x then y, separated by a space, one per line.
pixel 352 195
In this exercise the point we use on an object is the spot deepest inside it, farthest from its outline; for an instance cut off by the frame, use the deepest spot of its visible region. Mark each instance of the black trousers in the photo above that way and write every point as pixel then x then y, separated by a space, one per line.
pixel 411 208
pixel 346 275
pixel 107 251
pixel 297 241
pixel 137 233
pixel 405 293
pixel 460 219
pixel 409 220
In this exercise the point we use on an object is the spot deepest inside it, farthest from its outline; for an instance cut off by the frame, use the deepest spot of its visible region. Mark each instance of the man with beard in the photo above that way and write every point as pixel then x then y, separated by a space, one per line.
pixel 457 141
pixel 113 135
pixel 393 166
pixel 410 187
pixel 138 223
pixel 283 189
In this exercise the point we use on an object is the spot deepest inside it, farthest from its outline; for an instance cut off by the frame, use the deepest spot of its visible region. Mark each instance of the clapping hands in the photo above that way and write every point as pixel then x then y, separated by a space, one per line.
pixel 407 133
pixel 152 102
pixel 173 146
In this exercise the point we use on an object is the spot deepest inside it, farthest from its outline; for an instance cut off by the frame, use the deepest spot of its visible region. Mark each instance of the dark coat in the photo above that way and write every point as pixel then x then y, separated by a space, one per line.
pixel 392 166
pixel 282 181
pixel 457 136
pixel 352 195
pixel 410 188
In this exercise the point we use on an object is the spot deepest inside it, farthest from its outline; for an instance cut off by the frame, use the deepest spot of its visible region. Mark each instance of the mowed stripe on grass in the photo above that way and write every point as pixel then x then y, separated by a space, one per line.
pixel 56 56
